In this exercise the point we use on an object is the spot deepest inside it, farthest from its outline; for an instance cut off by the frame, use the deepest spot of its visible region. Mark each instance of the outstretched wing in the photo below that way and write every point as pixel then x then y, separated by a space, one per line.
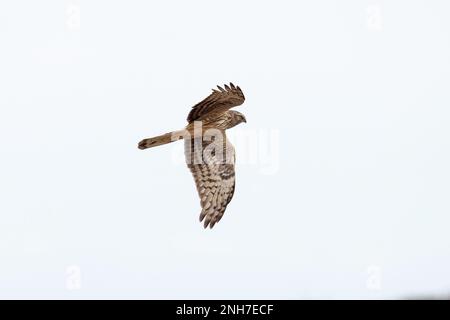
pixel 212 166
pixel 218 101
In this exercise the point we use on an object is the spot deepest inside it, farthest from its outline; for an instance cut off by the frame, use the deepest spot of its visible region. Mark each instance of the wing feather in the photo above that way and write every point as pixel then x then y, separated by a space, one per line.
pixel 214 176
pixel 217 102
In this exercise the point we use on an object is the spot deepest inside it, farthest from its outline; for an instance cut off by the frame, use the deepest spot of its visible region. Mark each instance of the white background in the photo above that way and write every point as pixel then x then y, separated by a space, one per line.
pixel 355 203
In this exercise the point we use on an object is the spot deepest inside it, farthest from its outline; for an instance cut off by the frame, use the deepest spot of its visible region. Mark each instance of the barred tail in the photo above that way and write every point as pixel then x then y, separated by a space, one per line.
pixel 160 140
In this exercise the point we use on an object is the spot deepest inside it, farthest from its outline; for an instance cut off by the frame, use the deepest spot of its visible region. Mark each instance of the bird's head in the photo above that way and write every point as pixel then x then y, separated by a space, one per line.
pixel 236 118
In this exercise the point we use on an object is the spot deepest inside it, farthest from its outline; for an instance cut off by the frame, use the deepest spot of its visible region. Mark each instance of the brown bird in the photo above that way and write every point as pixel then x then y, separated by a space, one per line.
pixel 209 155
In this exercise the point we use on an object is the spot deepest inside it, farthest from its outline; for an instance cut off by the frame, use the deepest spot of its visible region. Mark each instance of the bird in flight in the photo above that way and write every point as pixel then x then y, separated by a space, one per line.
pixel 209 155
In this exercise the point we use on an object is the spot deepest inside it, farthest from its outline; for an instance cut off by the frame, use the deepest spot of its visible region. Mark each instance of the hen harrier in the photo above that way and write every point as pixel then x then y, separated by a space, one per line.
pixel 209 155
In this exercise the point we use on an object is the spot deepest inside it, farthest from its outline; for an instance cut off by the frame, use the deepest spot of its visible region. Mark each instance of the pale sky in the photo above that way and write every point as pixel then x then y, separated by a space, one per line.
pixel 342 176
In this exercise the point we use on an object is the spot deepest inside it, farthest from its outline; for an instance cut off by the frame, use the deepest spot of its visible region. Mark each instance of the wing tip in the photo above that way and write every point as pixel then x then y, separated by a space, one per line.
pixel 228 87
pixel 210 221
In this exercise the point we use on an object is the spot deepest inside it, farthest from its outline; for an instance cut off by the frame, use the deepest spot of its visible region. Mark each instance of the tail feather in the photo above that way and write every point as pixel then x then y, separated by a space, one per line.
pixel 160 140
